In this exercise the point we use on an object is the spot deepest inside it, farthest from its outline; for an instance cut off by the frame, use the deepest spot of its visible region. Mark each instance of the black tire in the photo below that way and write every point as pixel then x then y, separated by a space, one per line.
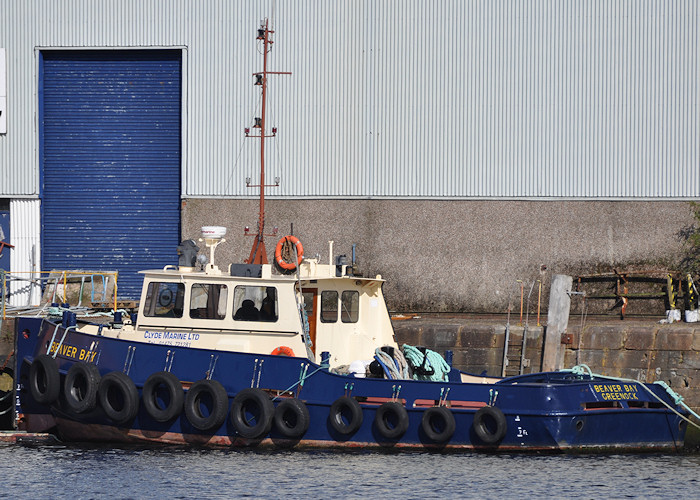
pixel 80 387
pixel 118 397
pixel 252 405
pixel 7 376
pixel 163 396
pixel 438 424
pixel 490 425
pixel 391 420
pixel 291 418
pixel 206 404
pixel 345 415
pixel 44 379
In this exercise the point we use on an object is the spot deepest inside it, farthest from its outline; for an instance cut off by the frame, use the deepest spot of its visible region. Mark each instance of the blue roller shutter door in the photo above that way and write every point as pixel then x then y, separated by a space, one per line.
pixel 110 153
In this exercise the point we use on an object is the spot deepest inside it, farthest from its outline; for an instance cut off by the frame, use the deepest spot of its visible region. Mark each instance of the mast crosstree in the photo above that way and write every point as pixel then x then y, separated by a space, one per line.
pixel 258 254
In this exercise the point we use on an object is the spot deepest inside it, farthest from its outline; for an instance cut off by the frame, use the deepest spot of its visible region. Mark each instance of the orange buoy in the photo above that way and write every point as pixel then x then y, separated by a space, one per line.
pixel 283 350
pixel 281 244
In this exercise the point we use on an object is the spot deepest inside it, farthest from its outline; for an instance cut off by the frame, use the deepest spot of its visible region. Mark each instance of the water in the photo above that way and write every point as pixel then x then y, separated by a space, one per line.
pixel 78 472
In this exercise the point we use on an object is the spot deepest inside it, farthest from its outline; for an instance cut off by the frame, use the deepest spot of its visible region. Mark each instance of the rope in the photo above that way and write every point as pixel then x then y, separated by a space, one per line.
pixel 584 314
pixel 303 377
pixel 431 359
pixel 387 363
pixel 677 398
pixel 401 364
pixel 581 370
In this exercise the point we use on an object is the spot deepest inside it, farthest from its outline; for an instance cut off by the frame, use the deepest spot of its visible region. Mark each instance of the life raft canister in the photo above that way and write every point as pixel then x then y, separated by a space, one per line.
pixel 283 350
pixel 281 244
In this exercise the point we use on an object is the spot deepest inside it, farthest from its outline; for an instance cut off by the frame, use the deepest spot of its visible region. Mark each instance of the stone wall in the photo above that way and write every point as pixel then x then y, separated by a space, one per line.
pixel 477 346
pixel 642 351
pixel 7 338
pixel 639 350
pixel 462 255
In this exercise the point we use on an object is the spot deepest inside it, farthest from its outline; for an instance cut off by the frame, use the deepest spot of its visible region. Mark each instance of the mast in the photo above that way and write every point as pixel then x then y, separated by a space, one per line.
pixel 258 254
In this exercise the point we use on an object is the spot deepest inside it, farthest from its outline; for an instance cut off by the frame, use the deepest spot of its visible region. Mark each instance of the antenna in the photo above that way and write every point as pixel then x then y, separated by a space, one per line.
pixel 212 236
pixel 258 255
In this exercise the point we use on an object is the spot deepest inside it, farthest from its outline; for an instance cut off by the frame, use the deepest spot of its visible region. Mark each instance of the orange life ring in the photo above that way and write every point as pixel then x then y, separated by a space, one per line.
pixel 289 266
pixel 283 350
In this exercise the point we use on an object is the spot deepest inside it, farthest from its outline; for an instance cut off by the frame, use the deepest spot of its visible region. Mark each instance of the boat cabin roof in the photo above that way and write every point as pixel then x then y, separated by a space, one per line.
pixel 248 308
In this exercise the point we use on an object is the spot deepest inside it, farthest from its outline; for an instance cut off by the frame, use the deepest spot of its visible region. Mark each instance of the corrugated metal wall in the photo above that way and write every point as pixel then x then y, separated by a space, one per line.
pixel 445 99
pixel 25 258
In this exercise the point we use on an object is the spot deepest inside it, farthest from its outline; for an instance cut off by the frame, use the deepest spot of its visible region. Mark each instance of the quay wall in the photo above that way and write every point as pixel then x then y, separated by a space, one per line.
pixel 637 349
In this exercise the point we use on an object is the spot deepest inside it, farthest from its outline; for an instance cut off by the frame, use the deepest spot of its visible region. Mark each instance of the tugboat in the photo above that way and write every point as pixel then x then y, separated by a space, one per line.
pixel 303 356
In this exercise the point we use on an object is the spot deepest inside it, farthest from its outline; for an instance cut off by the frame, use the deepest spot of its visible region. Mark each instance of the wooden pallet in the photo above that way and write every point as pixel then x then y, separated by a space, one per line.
pixel 121 304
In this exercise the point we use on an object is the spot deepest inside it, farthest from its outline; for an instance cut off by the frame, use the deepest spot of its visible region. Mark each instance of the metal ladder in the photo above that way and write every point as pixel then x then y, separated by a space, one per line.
pixel 514 361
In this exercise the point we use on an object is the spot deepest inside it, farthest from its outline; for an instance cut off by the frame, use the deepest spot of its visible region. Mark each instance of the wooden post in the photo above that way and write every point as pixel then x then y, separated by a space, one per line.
pixel 557 320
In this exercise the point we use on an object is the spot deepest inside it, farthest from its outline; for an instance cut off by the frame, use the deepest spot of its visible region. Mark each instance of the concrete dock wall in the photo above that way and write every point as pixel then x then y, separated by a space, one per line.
pixel 637 349
pixel 642 351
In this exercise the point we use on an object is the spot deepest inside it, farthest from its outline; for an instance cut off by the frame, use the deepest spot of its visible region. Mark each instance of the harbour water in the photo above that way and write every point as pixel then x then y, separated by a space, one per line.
pixel 85 471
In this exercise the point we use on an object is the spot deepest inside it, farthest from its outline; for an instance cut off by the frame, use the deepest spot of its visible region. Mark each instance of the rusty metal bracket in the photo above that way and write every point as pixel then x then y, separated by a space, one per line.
pixel 569 339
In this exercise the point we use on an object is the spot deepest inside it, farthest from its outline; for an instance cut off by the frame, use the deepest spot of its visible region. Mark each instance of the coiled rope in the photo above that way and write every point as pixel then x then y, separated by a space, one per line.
pixel 432 360
pixel 391 370
pixel 583 369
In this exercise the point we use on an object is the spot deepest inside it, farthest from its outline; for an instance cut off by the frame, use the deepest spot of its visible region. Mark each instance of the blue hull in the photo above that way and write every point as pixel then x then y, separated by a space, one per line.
pixel 551 411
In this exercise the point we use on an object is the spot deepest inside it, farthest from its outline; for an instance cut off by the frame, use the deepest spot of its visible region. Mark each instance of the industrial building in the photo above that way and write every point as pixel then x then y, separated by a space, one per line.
pixel 459 146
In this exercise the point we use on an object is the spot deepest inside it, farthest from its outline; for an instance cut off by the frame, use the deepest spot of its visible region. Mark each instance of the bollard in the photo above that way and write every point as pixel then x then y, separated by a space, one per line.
pixel 557 321
pixel 448 357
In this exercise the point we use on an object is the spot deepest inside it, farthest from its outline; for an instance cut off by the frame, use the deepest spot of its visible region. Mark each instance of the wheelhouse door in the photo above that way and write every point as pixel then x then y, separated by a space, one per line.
pixel 310 298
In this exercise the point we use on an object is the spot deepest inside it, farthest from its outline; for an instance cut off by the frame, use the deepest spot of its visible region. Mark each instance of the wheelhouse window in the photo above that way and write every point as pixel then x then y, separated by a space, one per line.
pixel 208 301
pixel 255 303
pixel 349 306
pixel 164 300
pixel 329 306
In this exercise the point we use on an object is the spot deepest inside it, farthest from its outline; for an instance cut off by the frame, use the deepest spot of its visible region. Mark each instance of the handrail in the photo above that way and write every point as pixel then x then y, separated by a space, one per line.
pixel 62 275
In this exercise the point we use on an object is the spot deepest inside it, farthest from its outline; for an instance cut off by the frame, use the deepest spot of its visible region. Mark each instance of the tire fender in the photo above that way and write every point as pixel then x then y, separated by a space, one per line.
pixel 391 420
pixel 80 387
pixel 157 384
pixel 438 423
pixel 291 418
pixel 251 413
pixel 209 393
pixel 118 397
pixel 44 379
pixel 345 415
pixel 490 424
